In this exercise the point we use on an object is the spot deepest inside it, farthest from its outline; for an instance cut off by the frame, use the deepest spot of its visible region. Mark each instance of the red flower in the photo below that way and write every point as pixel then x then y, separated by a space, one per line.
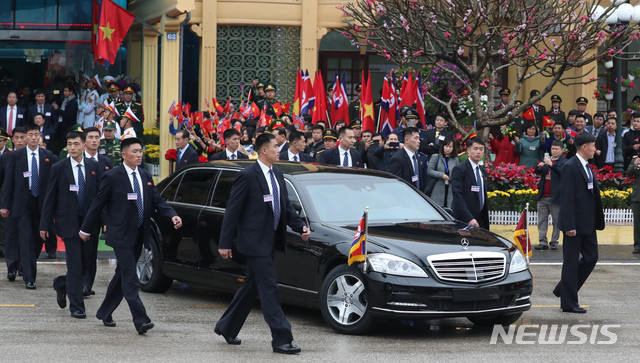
pixel 202 159
pixel 171 155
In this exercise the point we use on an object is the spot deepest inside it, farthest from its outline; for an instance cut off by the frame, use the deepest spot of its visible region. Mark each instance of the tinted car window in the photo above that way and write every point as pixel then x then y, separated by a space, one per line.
pixel 223 188
pixel 293 197
pixel 195 186
pixel 169 191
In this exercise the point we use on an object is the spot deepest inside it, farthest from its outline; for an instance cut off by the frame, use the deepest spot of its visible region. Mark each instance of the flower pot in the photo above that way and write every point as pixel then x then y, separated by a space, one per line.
pixel 608 64
pixel 608 96
pixel 623 89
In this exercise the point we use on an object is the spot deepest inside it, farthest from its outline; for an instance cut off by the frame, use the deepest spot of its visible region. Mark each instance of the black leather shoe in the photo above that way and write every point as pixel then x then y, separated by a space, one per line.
pixel 556 292
pixel 52 255
pixel 85 292
pixel 11 276
pixel 144 327
pixel 636 251
pixel 577 310
pixel 30 285
pixel 554 246
pixel 230 340
pixel 541 247
pixel 287 349
pixel 91 292
pixel 61 297
pixel 109 323
pixel 78 315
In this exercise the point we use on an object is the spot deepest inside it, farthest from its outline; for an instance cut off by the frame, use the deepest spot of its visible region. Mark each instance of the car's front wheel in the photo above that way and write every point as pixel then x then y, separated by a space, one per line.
pixel 502 319
pixel 149 272
pixel 343 301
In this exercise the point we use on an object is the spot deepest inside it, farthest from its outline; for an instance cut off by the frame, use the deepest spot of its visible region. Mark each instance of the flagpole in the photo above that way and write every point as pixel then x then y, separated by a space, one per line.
pixel 526 219
pixel 366 236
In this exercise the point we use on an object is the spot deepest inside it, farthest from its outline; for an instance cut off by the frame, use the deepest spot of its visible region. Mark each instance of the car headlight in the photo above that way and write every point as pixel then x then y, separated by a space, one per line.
pixel 394 265
pixel 518 262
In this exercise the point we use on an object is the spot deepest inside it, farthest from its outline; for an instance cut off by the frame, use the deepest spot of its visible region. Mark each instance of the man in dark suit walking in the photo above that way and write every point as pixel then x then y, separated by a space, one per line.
pixel 187 155
pixel 91 152
pixel 259 190
pixel 128 196
pixel 48 112
pixel 344 154
pixel 549 193
pixel 12 116
pixel 72 188
pixel 580 216
pixel 295 152
pixel 469 185
pixel 232 142
pixel 405 163
pixel 26 180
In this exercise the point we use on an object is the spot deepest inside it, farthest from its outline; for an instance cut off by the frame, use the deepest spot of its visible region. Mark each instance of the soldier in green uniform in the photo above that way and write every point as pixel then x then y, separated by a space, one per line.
pixel 354 105
pixel 113 93
pixel 64 154
pixel 127 102
pixel 330 139
pixel 257 93
pixel 270 99
pixel 110 145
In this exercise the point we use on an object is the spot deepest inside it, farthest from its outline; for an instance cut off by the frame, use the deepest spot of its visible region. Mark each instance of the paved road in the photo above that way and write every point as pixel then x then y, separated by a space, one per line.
pixel 34 329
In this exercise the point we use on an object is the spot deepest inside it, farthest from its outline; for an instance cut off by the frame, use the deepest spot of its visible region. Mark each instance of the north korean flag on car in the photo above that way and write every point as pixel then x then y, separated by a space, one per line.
pixel 521 235
pixel 358 251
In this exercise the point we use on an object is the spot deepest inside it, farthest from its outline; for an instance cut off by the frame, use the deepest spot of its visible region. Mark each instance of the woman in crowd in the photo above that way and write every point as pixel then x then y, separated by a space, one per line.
pixel 439 169
pixel 503 146
pixel 530 146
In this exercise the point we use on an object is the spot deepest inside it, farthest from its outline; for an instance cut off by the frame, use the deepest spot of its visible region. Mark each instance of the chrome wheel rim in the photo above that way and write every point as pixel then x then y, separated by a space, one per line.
pixel 144 267
pixel 346 299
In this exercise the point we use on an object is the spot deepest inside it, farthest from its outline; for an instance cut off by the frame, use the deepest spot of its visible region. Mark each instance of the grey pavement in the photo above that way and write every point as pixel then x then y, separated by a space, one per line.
pixel 34 329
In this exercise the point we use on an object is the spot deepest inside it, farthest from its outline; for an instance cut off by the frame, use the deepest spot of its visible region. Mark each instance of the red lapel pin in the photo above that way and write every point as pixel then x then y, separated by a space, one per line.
pixel 93 173
pixel 148 183
pixel 47 160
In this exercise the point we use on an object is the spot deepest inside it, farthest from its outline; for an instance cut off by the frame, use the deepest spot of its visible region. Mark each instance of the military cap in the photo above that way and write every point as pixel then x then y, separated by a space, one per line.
pixel 276 123
pixel 76 128
pixel 4 134
pixel 109 79
pixel 403 109
pixel 556 98
pixel 355 123
pixel 534 93
pixel 128 89
pixel 582 100
pixel 358 88
pixel 69 79
pixel 260 85
pixel 505 91
pixel 269 87
pixel 329 134
pixel 109 125
pixel 411 114
pixel 113 87
pixel 518 103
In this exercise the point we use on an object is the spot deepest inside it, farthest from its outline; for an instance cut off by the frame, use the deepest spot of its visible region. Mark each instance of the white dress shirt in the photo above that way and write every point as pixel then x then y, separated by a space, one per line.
pixel 29 156
pixel 229 153
pixel 265 171
pixel 345 154
pixel 138 177
pixel 89 156
pixel 291 155
pixel 475 166
pixel 410 153
pixel 585 165
pixel 182 151
pixel 74 168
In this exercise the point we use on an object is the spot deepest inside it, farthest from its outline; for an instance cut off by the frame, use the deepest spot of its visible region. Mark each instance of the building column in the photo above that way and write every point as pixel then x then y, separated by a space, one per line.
pixel 150 77
pixel 135 54
pixel 169 79
pixel 309 36
pixel 207 30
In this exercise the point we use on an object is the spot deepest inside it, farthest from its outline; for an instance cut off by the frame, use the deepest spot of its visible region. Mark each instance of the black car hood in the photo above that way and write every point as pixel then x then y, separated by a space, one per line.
pixel 422 239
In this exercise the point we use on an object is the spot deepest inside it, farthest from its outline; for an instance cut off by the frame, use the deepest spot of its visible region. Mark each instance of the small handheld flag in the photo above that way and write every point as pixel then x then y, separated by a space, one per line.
pixel 358 251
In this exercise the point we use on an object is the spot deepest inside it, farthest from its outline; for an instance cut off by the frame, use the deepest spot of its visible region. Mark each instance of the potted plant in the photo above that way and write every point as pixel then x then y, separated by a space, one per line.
pixel 603 93
pixel 607 60
pixel 635 73
pixel 627 83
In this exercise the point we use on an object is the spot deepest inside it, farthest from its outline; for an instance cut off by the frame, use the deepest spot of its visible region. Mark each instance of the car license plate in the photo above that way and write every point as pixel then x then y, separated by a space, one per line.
pixel 490 293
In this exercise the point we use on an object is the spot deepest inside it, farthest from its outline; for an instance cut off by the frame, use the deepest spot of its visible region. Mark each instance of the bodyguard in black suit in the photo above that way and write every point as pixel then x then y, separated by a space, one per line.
pixel 187 155
pixel 469 186
pixel 46 131
pixel 232 141
pixel 295 152
pixel 344 154
pixel 72 188
pixel 405 163
pixel 48 112
pixel 433 138
pixel 580 216
pixel 12 116
pixel 91 147
pixel 257 216
pixel 67 115
pixel 25 186
pixel 128 196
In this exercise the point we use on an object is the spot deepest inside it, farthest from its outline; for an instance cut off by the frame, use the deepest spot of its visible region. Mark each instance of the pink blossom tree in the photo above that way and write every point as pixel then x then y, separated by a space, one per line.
pixel 483 37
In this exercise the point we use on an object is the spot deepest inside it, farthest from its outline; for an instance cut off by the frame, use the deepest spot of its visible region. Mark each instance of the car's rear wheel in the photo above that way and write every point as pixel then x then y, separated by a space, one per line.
pixel 343 301
pixel 149 272
pixel 502 319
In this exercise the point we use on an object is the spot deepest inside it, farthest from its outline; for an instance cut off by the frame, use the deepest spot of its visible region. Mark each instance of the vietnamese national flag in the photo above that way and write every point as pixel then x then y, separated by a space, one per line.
pixel 95 21
pixel 198 117
pixel 227 107
pixel 547 121
pixel 521 236
pixel 529 114
pixel 207 126
pixel 112 28
pixel 175 109
pixel 285 108
pixel 235 115
pixel 407 96
pixel 368 116
pixel 186 108
pixel 320 109
pixel 255 110
pixel 216 105
pixel 277 108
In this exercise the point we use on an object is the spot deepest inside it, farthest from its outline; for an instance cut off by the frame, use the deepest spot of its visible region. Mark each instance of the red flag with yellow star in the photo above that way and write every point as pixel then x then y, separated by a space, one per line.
pixel 112 28
pixel 95 20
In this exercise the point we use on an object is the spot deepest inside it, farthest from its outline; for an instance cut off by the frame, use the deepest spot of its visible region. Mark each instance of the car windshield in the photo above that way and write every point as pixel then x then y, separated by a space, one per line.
pixel 342 201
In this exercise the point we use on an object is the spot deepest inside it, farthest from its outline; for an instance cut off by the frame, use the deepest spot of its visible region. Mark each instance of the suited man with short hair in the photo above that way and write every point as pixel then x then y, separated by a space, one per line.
pixel 606 145
pixel 344 154
pixel 257 216
pixel 581 215
pixel 26 181
pixel 549 193
pixel 469 186
pixel 405 163
pixel 295 152
pixel 72 188
pixel 129 197
pixel 187 155
pixel 12 116
pixel 48 113
pixel 232 141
